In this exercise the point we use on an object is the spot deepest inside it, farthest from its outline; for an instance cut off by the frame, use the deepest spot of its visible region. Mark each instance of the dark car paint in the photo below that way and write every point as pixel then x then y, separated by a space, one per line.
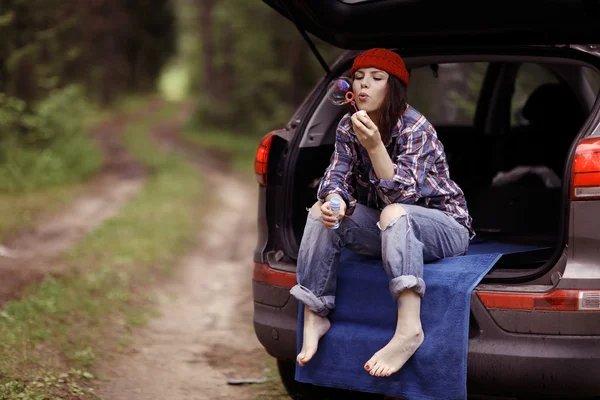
pixel 377 23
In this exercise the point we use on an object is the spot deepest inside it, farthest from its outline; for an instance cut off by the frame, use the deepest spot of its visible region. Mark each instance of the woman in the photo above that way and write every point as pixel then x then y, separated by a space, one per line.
pixel 398 202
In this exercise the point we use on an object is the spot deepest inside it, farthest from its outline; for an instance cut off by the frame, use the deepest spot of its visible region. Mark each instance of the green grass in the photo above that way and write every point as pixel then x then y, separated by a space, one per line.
pixel 239 148
pixel 68 321
pixel 273 389
pixel 18 212
pixel 124 105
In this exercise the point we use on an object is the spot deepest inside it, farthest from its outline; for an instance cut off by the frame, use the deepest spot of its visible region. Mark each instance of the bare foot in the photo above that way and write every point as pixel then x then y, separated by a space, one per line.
pixel 315 327
pixel 395 354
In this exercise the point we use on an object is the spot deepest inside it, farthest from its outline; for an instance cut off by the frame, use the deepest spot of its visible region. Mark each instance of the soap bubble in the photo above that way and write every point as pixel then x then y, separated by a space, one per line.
pixel 339 92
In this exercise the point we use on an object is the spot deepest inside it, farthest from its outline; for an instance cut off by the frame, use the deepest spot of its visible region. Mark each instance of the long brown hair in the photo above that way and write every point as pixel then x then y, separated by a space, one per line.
pixel 392 107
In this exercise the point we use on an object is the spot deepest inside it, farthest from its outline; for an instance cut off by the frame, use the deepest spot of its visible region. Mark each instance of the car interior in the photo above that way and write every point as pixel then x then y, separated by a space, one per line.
pixel 507 127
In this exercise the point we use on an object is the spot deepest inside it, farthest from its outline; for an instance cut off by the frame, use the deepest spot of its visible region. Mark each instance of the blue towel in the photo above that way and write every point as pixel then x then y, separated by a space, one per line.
pixel 483 246
pixel 364 321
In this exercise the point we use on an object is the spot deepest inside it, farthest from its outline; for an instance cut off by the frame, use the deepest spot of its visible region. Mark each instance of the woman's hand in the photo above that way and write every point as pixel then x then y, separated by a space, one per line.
pixel 329 220
pixel 366 131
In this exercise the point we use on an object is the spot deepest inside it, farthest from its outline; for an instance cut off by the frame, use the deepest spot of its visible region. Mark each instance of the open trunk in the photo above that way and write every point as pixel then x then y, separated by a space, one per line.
pixel 360 24
pixel 507 124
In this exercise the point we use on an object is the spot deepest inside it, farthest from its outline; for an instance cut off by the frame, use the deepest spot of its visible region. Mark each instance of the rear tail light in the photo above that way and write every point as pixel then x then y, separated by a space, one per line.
pixel 262 157
pixel 558 300
pixel 586 170
pixel 263 273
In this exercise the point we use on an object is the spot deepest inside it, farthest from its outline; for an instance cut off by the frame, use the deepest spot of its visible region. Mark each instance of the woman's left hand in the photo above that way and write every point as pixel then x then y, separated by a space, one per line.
pixel 366 131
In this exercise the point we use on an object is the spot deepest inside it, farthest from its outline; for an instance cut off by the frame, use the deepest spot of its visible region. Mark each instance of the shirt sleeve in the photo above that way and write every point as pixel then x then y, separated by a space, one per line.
pixel 338 176
pixel 411 168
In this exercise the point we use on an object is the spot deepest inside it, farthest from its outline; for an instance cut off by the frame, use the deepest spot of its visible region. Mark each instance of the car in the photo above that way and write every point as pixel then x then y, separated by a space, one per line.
pixel 511 89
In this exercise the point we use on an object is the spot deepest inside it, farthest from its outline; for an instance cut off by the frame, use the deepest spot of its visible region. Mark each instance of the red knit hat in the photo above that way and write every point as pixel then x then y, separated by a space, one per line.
pixel 383 59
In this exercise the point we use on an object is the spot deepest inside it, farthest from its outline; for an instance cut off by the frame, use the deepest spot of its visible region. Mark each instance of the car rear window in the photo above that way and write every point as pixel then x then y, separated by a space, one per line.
pixel 447 93
pixel 530 76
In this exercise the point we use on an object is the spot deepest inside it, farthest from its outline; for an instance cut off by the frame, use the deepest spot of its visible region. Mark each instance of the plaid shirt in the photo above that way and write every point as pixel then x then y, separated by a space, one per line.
pixel 421 173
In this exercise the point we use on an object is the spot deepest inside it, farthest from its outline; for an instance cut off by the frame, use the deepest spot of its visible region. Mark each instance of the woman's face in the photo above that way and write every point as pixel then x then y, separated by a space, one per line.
pixel 370 87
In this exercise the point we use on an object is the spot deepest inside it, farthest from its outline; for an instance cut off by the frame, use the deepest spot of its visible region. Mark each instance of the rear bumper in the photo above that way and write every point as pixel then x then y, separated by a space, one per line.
pixel 275 326
pixel 499 363
pixel 551 366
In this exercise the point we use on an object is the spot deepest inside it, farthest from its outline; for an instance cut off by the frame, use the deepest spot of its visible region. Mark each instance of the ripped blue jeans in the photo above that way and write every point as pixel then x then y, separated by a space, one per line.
pixel 421 235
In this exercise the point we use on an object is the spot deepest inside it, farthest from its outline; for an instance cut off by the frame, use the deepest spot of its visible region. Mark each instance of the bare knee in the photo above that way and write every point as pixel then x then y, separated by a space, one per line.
pixel 315 210
pixel 390 213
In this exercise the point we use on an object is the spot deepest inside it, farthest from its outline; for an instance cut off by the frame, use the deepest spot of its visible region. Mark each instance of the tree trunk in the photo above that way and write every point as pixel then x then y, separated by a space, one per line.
pixel 205 8
pixel 23 78
pixel 227 73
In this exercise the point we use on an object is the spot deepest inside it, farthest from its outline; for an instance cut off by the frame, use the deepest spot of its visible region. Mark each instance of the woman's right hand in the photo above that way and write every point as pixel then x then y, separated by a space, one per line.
pixel 329 220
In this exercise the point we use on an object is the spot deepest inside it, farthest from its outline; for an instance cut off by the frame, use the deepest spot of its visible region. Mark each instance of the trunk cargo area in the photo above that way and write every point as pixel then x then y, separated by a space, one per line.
pixel 521 220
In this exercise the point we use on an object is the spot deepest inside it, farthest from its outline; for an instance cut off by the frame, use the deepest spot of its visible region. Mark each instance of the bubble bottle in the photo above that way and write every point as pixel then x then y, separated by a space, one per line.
pixel 334 205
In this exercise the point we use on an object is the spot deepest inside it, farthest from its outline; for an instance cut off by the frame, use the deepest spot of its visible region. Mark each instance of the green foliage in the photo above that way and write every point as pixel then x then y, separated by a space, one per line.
pixel 15 390
pixel 239 150
pixel 108 46
pixel 261 66
pixel 261 78
pixel 48 145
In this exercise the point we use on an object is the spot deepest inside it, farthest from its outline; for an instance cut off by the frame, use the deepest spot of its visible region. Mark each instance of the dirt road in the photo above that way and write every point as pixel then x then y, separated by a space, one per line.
pixel 204 335
pixel 27 257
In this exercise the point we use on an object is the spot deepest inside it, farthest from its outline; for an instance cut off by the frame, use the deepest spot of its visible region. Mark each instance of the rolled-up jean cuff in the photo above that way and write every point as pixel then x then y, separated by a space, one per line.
pixel 319 305
pixel 400 283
